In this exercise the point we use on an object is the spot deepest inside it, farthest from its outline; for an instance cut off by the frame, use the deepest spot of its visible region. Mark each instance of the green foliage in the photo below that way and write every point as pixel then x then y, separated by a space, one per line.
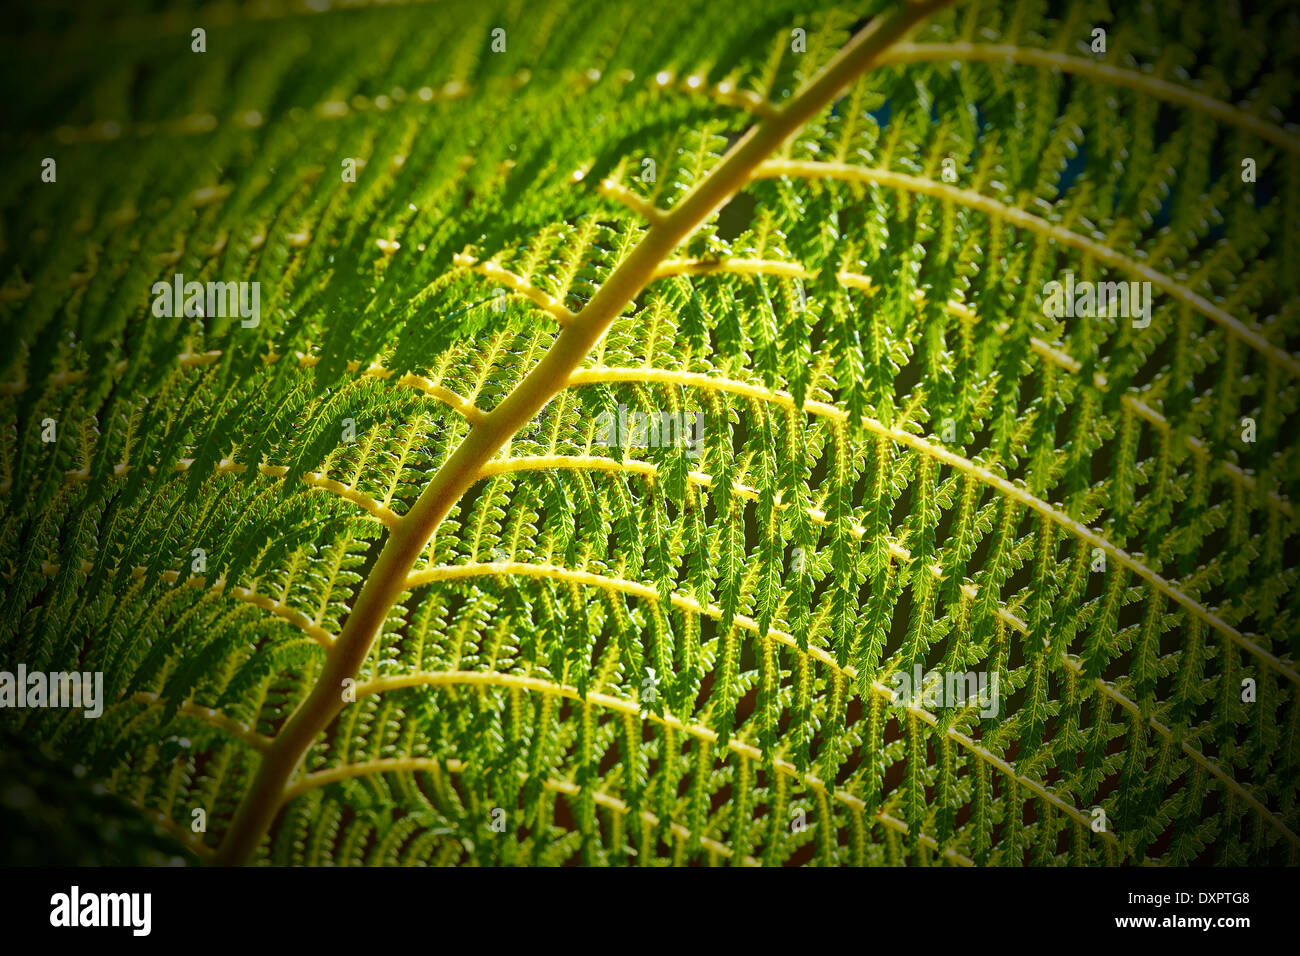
pixel 53 815
pixel 617 654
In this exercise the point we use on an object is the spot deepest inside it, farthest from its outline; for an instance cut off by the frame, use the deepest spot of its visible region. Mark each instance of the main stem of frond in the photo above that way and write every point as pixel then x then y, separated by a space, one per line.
pixel 407 541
